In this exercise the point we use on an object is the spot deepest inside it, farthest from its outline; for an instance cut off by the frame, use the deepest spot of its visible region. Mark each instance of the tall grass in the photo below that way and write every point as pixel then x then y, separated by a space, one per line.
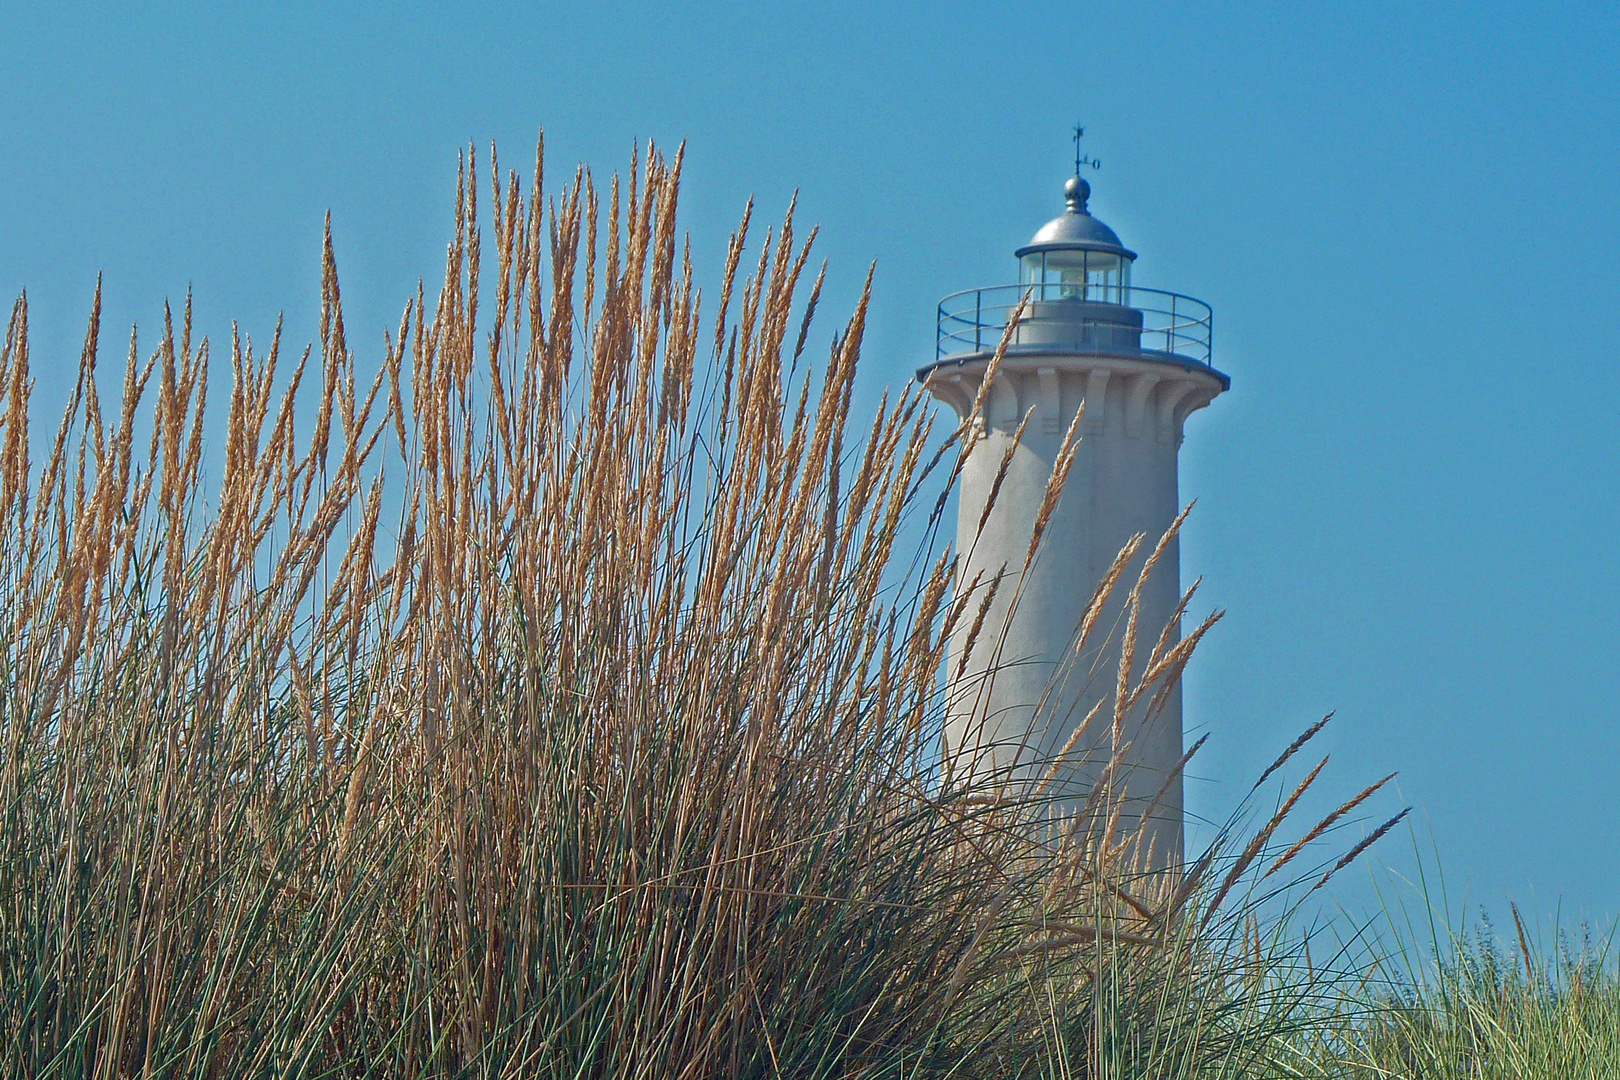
pixel 1436 998
pixel 558 702
pixel 1478 1010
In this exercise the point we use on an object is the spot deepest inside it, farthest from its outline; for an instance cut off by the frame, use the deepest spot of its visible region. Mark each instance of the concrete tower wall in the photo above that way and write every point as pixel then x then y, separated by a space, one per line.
pixel 1019 702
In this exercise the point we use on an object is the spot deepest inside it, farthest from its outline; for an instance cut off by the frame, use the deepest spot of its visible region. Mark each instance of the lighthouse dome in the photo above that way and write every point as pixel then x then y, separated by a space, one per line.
pixel 1075 256
pixel 1075 227
pixel 1072 228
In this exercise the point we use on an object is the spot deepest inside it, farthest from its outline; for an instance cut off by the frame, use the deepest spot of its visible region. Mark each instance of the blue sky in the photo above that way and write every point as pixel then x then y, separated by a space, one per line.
pixel 1406 219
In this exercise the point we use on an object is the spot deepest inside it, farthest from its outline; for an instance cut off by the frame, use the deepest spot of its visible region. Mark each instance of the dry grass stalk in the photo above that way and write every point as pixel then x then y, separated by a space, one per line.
pixel 1354 853
pixel 1325 824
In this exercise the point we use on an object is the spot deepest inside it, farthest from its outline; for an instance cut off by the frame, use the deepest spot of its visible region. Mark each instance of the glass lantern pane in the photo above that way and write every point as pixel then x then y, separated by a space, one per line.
pixel 1100 277
pixel 1065 274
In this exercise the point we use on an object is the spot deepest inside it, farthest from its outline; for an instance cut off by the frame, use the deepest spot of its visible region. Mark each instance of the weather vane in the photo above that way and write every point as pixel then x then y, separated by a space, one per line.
pixel 1080 162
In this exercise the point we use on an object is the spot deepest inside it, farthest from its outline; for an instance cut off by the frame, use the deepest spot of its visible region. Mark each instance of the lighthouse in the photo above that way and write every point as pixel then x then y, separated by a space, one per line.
pixel 1138 362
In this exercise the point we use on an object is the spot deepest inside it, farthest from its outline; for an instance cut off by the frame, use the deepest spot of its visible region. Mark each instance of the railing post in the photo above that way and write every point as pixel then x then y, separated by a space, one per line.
pixel 978 319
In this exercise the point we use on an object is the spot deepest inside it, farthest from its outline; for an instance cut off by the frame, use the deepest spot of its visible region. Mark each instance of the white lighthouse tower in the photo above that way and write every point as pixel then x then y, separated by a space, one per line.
pixel 1139 361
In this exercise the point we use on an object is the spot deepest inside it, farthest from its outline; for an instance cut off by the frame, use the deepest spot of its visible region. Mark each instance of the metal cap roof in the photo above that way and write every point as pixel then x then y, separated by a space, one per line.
pixel 1075 227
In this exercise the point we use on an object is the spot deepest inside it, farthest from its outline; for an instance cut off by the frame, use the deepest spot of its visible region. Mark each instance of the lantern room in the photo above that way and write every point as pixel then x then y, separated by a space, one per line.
pixel 1075 256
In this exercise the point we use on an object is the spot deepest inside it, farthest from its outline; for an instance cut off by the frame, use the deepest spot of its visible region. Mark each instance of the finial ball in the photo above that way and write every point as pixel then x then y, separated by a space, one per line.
pixel 1077 191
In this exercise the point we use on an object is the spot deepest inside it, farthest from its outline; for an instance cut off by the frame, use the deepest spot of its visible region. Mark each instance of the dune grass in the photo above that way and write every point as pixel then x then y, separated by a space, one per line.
pixel 1434 997
pixel 1477 1010
pixel 562 701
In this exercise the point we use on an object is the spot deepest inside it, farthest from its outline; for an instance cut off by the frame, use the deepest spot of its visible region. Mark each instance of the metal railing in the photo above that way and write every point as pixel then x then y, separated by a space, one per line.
pixel 1100 318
